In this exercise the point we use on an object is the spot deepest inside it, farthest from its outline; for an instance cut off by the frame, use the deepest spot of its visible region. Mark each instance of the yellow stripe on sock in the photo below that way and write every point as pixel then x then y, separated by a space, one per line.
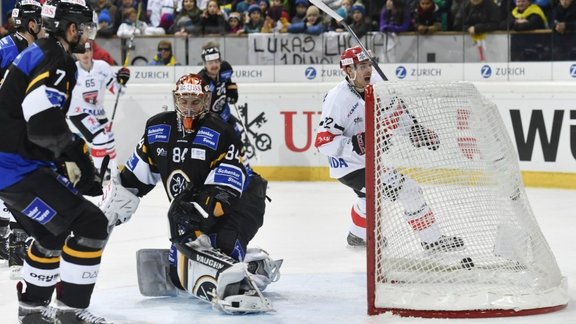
pixel 38 259
pixel 82 254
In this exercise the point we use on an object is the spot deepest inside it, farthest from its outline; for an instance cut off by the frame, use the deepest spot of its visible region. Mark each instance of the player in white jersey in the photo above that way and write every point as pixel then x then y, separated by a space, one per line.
pixel 87 113
pixel 340 136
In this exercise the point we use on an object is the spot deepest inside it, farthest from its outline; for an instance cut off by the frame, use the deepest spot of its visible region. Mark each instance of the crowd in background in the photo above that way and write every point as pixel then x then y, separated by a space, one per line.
pixel 127 18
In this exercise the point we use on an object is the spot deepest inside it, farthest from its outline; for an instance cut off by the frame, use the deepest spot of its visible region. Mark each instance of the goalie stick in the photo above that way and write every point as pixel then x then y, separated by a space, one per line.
pixel 339 19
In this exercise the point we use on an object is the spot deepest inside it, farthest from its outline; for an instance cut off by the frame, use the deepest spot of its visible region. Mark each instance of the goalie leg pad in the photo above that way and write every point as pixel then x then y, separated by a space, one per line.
pixel 153 270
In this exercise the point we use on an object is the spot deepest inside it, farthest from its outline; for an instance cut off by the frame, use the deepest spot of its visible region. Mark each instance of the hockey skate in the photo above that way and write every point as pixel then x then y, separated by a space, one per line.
pixel 4 234
pixel 355 241
pixel 17 247
pixel 70 315
pixel 34 313
pixel 445 244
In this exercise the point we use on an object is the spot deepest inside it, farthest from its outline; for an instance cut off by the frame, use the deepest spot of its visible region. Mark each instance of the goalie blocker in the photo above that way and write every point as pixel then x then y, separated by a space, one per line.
pixel 199 270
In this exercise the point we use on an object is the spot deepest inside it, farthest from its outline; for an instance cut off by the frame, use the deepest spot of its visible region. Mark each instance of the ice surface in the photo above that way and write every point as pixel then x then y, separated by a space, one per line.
pixel 323 281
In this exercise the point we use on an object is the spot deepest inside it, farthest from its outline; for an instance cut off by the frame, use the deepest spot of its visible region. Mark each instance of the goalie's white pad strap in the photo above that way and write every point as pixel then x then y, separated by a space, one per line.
pixel 262 268
pixel 236 293
pixel 118 203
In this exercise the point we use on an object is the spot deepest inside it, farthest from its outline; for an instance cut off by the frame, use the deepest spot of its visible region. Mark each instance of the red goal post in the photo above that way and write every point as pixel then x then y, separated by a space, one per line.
pixel 471 182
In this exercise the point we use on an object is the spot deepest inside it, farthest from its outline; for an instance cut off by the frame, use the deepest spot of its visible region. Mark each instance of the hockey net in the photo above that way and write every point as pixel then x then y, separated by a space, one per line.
pixel 470 181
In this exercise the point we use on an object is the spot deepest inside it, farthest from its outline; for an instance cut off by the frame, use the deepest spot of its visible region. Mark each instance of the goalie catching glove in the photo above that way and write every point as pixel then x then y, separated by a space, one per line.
pixel 195 211
pixel 420 136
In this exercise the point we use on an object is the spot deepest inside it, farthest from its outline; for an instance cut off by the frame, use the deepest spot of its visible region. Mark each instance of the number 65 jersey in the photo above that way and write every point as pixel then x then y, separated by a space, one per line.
pixel 208 156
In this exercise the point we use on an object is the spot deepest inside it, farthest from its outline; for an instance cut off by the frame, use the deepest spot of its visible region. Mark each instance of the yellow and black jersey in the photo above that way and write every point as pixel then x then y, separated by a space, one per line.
pixel 207 157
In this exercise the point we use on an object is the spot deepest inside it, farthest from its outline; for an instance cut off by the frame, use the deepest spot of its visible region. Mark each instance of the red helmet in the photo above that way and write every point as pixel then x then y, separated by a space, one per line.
pixel 191 99
pixel 352 56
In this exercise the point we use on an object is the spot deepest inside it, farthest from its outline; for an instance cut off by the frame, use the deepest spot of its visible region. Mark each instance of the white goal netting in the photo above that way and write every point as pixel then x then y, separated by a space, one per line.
pixel 450 226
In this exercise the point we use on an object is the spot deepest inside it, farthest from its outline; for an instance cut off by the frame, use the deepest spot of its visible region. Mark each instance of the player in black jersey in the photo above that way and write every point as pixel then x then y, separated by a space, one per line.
pixel 34 99
pixel 218 74
pixel 28 24
pixel 215 203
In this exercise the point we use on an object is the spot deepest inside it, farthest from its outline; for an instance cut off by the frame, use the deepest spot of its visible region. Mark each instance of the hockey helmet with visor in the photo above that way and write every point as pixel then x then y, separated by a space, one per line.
pixel 57 15
pixel 191 99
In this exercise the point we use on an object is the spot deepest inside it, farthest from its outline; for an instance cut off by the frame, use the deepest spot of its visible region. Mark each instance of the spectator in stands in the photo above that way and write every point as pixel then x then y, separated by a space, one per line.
pixel 277 12
pixel 164 55
pixel 188 19
pixel 564 30
pixel 242 7
pixel 264 6
pixel 443 11
pixel 546 6
pixel 161 14
pixel 235 26
pixel 478 17
pixel 395 18
pixel 255 20
pixel 278 18
pixel 427 17
pixel 344 12
pixel 132 27
pixel 373 10
pixel 526 16
pixel 105 25
pixel 301 7
pixel 358 21
pixel 456 10
pixel 213 21
pixel 139 7
pixel 312 24
pixel 203 4
pixel 564 17
pixel 110 13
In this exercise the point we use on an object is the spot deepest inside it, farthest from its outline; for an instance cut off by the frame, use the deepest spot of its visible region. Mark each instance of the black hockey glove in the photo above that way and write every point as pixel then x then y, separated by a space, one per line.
pixel 123 75
pixel 90 183
pixel 232 93
pixel 185 219
pixel 421 136
pixel 358 144
pixel 198 210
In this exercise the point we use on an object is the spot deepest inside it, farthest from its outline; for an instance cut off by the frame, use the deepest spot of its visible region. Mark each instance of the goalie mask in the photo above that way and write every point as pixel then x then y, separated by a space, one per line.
pixel 191 99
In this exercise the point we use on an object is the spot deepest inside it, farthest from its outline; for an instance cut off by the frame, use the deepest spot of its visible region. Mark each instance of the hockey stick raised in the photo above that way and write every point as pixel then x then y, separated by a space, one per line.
pixel 322 6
